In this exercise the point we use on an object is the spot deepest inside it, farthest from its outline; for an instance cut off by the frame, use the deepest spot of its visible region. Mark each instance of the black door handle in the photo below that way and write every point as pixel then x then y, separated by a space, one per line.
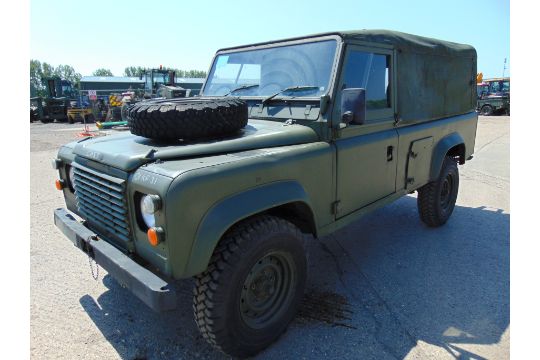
pixel 389 153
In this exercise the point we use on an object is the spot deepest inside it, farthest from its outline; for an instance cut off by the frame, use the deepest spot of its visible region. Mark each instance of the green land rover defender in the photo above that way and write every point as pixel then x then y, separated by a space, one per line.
pixel 288 140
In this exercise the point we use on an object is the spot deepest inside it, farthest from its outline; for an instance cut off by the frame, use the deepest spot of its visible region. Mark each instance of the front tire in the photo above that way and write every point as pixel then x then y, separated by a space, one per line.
pixel 487 110
pixel 437 199
pixel 252 287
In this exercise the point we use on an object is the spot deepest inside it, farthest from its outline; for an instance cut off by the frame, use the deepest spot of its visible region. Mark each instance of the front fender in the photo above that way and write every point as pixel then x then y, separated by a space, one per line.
pixel 440 151
pixel 229 211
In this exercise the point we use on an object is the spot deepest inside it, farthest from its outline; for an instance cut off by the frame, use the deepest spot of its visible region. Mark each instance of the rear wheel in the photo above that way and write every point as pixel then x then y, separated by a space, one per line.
pixel 436 200
pixel 253 285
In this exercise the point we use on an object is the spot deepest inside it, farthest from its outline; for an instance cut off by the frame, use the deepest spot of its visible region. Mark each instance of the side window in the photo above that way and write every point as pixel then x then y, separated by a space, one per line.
pixel 371 72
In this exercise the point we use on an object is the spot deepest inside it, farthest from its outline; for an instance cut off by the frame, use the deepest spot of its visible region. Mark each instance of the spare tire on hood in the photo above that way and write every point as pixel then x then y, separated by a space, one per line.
pixel 187 118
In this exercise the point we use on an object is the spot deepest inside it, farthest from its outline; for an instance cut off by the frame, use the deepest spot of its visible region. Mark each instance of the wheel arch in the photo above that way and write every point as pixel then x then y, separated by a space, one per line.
pixel 284 199
pixel 450 145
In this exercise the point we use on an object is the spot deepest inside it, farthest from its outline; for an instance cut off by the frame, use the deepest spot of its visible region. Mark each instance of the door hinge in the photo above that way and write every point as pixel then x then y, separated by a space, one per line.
pixel 335 207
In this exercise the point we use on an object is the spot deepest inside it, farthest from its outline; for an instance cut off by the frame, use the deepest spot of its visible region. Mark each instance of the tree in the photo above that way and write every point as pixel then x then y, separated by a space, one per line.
pixel 35 78
pixel 47 71
pixel 195 74
pixel 189 73
pixel 102 72
pixel 67 72
pixel 134 71
pixel 39 72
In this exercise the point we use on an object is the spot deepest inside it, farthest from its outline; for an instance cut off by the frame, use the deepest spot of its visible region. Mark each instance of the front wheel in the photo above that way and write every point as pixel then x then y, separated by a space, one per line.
pixel 487 110
pixel 437 199
pixel 253 286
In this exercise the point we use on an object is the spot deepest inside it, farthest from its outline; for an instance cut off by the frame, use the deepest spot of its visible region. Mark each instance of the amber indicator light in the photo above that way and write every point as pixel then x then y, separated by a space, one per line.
pixel 153 236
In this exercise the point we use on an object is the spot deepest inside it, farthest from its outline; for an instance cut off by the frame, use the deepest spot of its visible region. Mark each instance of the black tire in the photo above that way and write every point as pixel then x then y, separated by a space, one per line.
pixel 71 120
pixel 46 121
pixel 187 119
pixel 241 280
pixel 487 110
pixel 437 199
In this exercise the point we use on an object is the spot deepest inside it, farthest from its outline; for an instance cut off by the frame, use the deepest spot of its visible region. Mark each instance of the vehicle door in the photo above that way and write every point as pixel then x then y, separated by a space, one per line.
pixel 366 153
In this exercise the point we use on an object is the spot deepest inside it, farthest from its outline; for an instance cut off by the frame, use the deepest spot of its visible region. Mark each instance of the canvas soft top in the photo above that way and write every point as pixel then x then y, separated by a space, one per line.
pixel 435 78
pixel 411 43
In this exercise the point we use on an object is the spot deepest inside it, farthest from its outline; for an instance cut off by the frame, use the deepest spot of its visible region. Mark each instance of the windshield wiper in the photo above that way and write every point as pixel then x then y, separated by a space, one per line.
pixel 241 88
pixel 291 88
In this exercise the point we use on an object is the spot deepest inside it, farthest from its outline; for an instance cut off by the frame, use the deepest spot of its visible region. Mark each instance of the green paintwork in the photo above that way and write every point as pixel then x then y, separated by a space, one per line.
pixel 498 103
pixel 138 150
pixel 495 93
pixel 296 158
pixel 226 213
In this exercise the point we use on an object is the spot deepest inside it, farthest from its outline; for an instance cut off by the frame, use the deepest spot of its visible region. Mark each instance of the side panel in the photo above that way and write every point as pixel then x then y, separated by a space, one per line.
pixel 196 191
pixel 366 169
pixel 419 156
pixel 464 128
pixel 240 206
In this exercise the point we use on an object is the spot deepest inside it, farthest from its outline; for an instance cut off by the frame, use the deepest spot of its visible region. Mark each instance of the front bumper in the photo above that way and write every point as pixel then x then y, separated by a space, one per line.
pixel 148 287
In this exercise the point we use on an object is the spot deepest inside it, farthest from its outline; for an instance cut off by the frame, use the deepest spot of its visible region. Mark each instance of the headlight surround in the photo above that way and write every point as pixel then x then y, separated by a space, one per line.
pixel 149 205
pixel 71 177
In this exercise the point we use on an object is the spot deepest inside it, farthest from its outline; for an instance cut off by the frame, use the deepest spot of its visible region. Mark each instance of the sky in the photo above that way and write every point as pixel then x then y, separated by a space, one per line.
pixel 186 34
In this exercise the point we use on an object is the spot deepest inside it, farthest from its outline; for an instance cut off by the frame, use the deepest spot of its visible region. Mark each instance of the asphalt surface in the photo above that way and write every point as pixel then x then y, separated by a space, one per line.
pixel 386 287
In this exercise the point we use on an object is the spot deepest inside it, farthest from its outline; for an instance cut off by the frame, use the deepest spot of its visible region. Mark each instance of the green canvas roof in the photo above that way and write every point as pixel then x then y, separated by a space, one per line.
pixel 411 43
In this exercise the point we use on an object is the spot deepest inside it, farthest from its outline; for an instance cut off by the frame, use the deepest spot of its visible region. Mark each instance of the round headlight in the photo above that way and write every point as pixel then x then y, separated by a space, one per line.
pixel 149 205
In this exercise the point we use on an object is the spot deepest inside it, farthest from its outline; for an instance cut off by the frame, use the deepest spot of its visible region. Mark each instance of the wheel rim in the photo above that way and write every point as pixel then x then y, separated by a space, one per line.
pixel 267 290
pixel 446 191
pixel 486 110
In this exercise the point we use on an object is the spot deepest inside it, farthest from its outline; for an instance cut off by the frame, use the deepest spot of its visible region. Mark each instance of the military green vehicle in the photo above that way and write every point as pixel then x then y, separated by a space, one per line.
pixel 160 83
pixel 494 96
pixel 55 105
pixel 289 140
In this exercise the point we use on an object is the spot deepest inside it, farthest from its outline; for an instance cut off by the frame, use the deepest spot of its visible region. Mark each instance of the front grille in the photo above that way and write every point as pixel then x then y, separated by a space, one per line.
pixel 101 201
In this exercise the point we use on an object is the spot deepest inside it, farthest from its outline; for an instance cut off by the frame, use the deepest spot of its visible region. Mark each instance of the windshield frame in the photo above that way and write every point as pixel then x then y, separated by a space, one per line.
pixel 267 45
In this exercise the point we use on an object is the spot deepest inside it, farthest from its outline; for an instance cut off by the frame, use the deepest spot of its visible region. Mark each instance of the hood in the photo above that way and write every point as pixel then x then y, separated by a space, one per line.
pixel 127 152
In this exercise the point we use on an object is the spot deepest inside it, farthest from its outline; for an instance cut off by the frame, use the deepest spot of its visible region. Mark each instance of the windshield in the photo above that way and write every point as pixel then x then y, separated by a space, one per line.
pixel 499 87
pixel 161 78
pixel 271 70
pixel 482 89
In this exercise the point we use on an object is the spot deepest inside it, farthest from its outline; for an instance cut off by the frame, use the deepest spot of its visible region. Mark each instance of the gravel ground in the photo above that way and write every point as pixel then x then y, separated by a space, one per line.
pixel 386 287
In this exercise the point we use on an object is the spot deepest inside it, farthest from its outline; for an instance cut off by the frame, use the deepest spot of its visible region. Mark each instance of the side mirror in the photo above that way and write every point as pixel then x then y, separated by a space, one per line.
pixel 353 106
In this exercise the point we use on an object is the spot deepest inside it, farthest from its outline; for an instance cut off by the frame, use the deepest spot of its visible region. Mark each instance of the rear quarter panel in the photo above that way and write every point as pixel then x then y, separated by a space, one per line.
pixel 463 126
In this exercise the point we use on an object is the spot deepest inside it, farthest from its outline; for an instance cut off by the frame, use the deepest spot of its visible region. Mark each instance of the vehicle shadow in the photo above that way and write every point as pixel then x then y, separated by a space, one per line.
pixel 376 289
